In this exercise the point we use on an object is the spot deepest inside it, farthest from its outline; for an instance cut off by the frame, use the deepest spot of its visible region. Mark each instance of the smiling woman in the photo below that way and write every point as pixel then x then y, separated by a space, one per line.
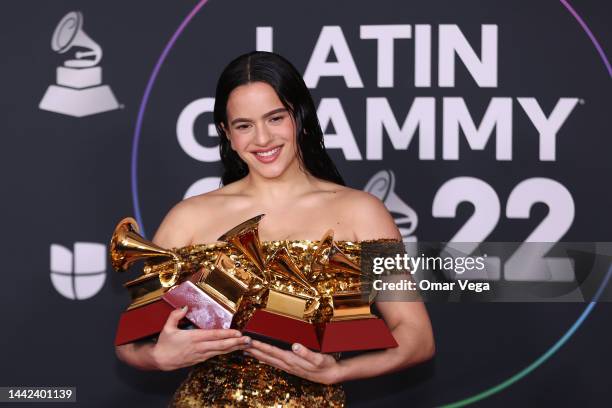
pixel 275 163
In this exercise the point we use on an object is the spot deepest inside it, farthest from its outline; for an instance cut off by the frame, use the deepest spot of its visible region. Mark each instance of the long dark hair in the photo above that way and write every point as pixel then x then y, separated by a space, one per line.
pixel 276 71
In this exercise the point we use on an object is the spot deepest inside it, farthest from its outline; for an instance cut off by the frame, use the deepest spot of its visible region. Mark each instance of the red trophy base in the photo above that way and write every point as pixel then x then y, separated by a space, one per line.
pixel 142 322
pixel 331 337
pixel 281 330
pixel 354 335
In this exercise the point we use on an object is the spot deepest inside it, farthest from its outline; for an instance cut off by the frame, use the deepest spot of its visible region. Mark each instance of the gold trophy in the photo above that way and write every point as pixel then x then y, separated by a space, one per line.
pixel 351 326
pixel 147 312
pixel 169 280
pixel 162 268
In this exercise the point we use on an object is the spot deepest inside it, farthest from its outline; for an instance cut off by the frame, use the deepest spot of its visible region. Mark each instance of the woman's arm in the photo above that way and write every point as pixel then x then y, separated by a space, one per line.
pixel 410 326
pixel 138 354
pixel 408 321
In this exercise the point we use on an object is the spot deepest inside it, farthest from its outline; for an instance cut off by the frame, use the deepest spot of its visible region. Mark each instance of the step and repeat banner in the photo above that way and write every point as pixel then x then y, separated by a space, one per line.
pixel 472 121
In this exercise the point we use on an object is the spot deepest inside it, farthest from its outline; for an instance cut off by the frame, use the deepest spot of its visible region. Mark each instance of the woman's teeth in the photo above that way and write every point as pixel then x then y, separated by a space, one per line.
pixel 269 152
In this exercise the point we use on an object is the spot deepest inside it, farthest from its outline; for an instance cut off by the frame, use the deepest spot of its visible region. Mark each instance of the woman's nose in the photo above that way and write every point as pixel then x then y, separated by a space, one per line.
pixel 262 135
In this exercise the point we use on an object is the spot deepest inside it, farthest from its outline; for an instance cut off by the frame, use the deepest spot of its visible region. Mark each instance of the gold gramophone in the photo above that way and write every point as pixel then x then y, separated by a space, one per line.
pixel 168 271
pixel 162 269
pixel 351 293
pixel 288 290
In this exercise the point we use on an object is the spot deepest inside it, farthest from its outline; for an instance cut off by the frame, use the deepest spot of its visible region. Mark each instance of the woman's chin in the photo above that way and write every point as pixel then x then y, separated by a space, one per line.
pixel 271 172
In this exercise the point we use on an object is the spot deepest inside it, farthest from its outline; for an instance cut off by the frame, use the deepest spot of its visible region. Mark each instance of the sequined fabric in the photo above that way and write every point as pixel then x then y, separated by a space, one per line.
pixel 234 380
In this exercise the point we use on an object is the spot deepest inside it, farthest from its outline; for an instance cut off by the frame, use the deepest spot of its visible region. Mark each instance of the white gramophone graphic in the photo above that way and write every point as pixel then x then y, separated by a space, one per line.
pixel 382 185
pixel 79 90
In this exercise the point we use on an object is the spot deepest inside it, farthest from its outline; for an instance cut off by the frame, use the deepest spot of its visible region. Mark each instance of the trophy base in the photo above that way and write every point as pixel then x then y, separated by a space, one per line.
pixel 331 337
pixel 142 322
pixel 356 335
pixel 79 102
pixel 281 331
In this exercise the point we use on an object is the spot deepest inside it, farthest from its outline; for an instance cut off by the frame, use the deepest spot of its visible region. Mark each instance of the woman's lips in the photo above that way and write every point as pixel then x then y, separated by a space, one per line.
pixel 268 156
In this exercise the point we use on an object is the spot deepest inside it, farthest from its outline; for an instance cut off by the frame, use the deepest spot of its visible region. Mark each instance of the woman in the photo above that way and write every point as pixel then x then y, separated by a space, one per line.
pixel 274 163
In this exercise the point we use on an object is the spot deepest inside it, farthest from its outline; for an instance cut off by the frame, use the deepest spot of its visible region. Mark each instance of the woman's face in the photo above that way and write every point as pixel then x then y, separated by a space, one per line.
pixel 260 129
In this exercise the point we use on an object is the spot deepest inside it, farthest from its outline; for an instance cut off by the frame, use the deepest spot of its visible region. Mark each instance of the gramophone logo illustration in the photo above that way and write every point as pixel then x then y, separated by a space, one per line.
pixel 382 185
pixel 79 90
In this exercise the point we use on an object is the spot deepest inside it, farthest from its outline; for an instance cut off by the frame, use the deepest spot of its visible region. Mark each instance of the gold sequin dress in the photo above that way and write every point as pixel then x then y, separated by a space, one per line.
pixel 235 380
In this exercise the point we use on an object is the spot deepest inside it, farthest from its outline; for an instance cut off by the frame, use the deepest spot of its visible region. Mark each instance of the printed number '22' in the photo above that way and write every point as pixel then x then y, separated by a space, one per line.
pixel 528 263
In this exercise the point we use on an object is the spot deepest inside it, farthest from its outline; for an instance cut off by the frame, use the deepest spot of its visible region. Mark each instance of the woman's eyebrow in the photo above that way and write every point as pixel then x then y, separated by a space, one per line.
pixel 272 112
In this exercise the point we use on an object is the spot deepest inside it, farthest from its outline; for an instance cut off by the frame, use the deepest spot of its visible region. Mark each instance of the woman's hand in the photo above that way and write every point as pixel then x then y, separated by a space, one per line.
pixel 316 367
pixel 177 348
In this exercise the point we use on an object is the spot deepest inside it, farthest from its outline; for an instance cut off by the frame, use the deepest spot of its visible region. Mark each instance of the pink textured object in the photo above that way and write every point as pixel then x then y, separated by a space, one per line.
pixel 204 312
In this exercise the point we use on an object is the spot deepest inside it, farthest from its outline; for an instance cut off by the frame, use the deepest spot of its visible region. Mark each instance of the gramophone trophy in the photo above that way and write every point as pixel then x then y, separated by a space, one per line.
pixel 169 280
pixel 330 319
pixel 290 307
pixel 79 90
pixel 352 325
pixel 147 312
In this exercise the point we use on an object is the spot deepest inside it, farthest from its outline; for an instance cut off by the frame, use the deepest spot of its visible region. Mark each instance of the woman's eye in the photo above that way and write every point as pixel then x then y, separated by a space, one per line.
pixel 242 127
pixel 276 119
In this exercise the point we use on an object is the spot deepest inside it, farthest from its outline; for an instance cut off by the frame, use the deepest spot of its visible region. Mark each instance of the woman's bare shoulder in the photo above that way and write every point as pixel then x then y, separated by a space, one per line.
pixel 370 219
pixel 187 218
pixel 354 196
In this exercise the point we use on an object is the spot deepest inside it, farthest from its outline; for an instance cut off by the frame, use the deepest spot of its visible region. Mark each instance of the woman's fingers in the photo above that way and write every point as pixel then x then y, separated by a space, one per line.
pixel 315 359
pixel 222 345
pixel 214 334
pixel 174 318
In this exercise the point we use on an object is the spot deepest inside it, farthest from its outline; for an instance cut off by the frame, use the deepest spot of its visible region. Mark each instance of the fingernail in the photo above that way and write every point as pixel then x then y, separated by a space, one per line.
pixel 237 334
pixel 247 340
pixel 246 353
pixel 295 347
pixel 184 308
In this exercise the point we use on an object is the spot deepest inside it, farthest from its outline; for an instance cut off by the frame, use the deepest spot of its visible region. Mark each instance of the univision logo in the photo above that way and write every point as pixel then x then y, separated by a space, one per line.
pixel 78 274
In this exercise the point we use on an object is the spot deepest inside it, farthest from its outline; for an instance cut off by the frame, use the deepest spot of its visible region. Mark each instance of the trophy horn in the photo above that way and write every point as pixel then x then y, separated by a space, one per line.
pixel 245 237
pixel 328 257
pixel 69 33
pixel 281 264
pixel 127 246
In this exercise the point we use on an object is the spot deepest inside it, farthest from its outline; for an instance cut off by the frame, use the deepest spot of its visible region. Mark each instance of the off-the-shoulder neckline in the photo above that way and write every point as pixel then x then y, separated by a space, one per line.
pixel 341 241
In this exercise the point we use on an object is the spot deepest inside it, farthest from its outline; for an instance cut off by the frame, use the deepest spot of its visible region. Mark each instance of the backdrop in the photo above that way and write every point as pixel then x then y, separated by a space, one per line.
pixel 471 120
